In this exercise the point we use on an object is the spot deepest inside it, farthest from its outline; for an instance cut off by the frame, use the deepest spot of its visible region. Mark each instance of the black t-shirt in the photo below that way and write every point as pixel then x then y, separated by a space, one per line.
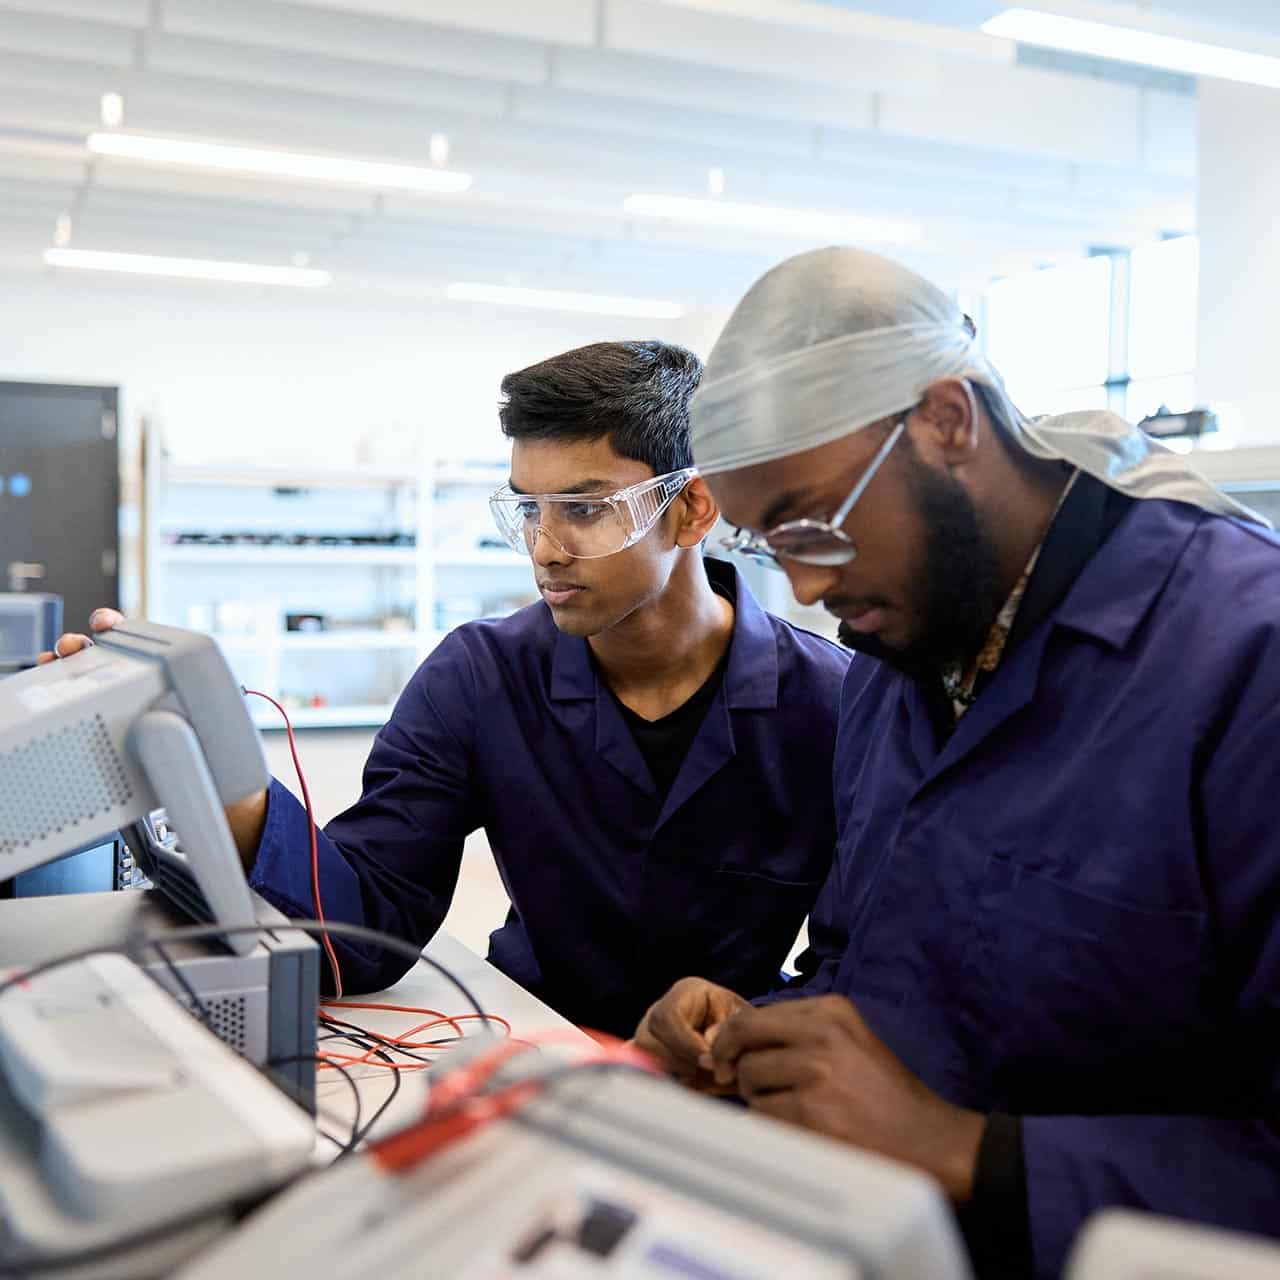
pixel 665 743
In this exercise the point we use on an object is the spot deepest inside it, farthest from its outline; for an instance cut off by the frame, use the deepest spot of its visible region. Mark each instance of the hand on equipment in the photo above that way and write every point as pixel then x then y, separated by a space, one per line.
pixel 246 817
pixel 72 642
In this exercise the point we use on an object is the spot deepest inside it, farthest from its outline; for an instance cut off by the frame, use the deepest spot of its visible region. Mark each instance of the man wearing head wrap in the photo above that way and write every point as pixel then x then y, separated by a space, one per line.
pixel 1051 940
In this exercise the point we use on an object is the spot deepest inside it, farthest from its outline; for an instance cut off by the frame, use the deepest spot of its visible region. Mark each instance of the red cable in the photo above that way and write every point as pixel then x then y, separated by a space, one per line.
pixel 455 1107
pixel 405 1040
pixel 315 850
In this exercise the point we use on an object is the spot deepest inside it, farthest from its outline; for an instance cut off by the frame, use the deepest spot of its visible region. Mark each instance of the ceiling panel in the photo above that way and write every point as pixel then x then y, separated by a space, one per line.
pixel 741 44
pixel 317 74
pixel 561 108
pixel 125 13
pixel 297 29
pixel 561 21
pixel 65 38
pixel 603 71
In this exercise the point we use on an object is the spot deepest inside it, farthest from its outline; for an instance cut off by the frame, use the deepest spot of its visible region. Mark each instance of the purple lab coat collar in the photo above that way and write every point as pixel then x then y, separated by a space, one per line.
pixel 1109 600
pixel 750 680
pixel 1122 582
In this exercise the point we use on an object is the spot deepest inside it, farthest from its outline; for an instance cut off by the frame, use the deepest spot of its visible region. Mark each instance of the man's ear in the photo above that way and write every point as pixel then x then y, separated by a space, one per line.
pixel 699 512
pixel 949 409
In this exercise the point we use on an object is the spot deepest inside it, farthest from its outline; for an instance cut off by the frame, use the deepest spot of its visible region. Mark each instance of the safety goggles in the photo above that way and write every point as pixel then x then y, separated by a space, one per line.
pixel 820 542
pixel 586 526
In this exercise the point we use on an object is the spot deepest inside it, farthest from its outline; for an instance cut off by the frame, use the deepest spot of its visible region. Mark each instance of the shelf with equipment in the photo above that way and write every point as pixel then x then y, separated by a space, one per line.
pixel 294 556
pixel 326 588
pixel 473 572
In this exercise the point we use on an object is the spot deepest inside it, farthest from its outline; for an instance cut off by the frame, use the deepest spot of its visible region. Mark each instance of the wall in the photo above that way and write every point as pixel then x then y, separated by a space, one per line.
pixel 1239 254
pixel 288 375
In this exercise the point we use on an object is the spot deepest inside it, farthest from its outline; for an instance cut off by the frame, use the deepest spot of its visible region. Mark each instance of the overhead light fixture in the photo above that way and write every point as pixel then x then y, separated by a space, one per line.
pixel 111 110
pixel 599 304
pixel 773 220
pixel 145 264
pixel 280 164
pixel 1131 44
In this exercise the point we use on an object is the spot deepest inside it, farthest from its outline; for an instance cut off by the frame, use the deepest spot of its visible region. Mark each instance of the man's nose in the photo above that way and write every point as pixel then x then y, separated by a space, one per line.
pixel 546 551
pixel 810 583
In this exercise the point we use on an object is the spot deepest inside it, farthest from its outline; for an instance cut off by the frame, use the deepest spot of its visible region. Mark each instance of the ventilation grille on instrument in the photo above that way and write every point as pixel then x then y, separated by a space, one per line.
pixel 56 781
pixel 226 1020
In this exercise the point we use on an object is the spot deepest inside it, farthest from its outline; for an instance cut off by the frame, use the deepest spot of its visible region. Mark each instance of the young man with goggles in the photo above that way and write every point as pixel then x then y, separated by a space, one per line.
pixel 648 751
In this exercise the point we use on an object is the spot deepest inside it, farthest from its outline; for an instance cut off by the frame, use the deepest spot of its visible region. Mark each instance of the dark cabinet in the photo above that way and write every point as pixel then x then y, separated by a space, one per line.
pixel 60 494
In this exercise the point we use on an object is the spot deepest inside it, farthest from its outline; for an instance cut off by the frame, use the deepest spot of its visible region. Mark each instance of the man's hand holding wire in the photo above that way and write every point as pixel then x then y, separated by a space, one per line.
pixel 680 1029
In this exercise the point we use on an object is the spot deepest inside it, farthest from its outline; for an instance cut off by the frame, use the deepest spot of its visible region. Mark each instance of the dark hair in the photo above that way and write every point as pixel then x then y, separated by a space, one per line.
pixel 635 393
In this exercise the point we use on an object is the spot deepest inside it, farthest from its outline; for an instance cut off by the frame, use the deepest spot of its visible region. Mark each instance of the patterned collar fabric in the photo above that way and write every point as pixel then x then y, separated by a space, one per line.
pixel 960 681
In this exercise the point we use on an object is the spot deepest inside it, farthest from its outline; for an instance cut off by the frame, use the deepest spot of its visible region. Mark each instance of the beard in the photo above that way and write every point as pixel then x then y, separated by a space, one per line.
pixel 960 587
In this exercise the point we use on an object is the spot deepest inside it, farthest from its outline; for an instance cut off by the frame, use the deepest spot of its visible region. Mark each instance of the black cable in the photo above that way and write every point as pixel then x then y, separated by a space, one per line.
pixel 198 1006
pixel 358 1133
pixel 328 1137
pixel 328 1019
pixel 343 1071
pixel 204 932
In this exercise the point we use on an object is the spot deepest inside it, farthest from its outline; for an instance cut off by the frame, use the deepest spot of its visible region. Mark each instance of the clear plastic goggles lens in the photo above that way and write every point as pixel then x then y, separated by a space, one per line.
pixel 583 526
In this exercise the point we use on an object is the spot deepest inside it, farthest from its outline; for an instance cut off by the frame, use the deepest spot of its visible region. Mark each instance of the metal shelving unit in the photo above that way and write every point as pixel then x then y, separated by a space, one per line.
pixel 349 674
pixel 196 553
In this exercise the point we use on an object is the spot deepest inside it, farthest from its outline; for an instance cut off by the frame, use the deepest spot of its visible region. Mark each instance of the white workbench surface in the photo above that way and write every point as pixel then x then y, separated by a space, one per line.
pixel 423 987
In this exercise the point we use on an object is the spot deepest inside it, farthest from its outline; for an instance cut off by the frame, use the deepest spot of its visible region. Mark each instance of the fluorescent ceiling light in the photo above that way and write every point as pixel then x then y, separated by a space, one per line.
pixel 111 110
pixel 768 219
pixel 145 264
pixel 555 300
pixel 281 164
pixel 1129 44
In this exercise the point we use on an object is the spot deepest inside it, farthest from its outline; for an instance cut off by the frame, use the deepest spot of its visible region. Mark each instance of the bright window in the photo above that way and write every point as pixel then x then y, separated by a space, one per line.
pixel 1048 334
pixel 1163 280
pixel 1072 400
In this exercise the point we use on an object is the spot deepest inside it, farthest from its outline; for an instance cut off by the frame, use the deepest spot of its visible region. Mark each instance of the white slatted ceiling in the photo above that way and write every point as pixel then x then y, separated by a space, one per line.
pixel 559 108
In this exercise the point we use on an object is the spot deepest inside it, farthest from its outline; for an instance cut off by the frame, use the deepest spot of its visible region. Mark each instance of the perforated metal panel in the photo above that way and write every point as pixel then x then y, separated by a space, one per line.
pixel 227 1020
pixel 59 780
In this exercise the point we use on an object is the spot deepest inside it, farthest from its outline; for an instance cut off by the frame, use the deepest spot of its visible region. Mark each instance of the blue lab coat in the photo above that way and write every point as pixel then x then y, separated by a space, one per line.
pixel 616 891
pixel 1069 910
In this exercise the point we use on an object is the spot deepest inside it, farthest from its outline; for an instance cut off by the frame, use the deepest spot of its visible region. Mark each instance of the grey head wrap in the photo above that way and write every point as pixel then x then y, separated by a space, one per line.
pixel 833 340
